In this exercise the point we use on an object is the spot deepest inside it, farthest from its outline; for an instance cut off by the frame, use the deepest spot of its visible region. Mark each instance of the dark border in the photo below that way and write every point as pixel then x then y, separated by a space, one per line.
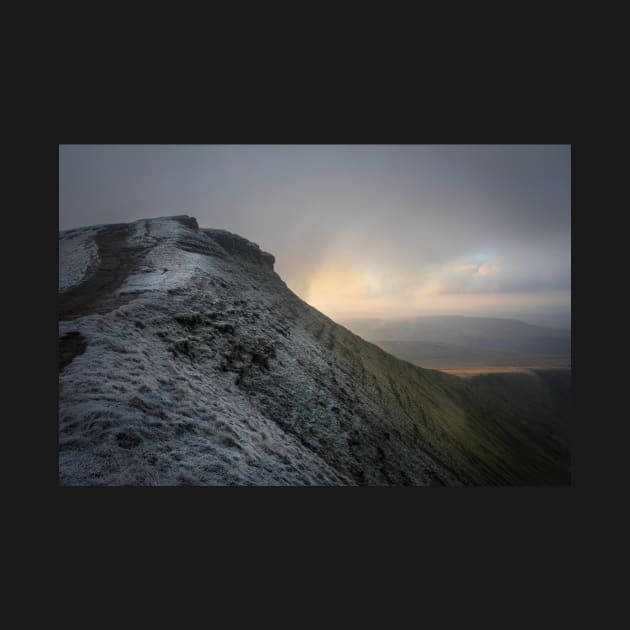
pixel 436 522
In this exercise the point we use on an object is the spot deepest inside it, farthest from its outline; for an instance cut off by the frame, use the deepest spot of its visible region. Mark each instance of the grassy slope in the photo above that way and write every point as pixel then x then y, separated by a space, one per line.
pixel 505 429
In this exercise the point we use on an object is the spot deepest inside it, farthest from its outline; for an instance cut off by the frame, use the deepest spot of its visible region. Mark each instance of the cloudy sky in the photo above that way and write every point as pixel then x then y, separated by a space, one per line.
pixel 360 230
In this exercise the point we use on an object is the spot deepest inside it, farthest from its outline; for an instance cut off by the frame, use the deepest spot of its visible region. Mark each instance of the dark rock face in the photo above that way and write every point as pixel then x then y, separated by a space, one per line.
pixel 241 248
pixel 186 221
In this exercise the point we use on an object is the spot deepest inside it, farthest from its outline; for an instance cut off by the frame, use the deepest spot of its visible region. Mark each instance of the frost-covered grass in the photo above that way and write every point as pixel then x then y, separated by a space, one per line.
pixel 169 417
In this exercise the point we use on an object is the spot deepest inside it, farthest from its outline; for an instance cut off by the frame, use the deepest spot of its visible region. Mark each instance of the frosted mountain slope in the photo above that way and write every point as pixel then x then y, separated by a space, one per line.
pixel 187 360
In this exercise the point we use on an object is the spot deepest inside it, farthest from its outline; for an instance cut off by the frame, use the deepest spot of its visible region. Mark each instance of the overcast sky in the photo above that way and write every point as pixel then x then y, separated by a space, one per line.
pixel 360 230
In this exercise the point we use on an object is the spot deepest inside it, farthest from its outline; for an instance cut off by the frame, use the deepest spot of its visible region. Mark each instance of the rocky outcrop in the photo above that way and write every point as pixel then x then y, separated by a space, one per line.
pixel 241 248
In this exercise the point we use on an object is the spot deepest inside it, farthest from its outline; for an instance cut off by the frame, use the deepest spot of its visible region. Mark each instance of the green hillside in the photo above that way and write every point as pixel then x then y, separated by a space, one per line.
pixel 492 429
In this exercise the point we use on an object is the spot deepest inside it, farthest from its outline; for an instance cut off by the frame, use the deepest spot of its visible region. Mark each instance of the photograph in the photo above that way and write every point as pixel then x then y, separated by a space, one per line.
pixel 314 315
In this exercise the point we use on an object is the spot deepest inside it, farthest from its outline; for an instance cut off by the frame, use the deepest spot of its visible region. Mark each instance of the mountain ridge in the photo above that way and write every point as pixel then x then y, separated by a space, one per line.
pixel 196 364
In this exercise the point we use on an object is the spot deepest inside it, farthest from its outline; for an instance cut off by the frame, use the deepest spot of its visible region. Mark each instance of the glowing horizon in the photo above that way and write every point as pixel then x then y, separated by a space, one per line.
pixel 344 293
pixel 360 231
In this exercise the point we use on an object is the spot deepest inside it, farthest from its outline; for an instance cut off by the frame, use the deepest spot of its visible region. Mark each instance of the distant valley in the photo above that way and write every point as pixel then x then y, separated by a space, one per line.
pixel 469 361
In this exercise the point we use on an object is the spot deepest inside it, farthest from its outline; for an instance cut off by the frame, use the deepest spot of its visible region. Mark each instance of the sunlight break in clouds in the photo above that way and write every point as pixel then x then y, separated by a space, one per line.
pixel 342 289
pixel 367 229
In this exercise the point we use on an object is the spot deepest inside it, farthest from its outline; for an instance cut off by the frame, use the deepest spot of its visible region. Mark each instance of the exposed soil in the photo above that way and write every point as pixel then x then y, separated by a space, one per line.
pixel 94 294
pixel 71 345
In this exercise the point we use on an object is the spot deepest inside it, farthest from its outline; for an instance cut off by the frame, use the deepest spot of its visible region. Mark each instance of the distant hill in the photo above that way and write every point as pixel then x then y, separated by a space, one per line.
pixel 507 335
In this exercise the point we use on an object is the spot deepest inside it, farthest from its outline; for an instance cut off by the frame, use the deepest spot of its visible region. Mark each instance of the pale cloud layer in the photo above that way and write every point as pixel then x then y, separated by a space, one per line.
pixel 360 230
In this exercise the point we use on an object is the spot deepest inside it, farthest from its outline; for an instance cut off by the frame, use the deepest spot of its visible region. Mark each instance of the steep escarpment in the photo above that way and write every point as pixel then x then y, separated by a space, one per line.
pixel 187 360
pixel 241 248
